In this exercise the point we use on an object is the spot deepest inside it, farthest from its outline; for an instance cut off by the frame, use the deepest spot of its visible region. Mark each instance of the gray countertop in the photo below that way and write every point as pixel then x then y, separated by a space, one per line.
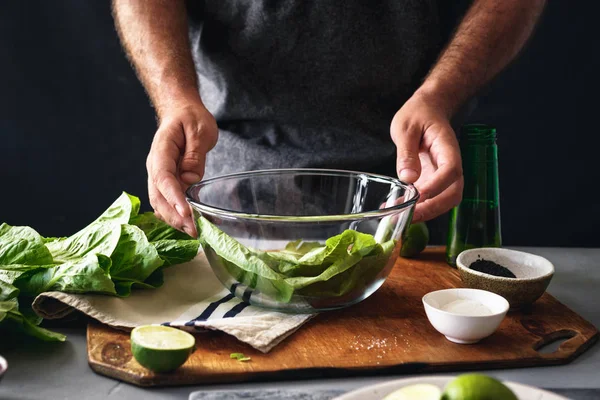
pixel 60 371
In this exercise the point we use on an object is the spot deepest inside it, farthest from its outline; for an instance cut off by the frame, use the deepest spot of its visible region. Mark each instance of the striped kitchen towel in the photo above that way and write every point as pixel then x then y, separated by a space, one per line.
pixel 191 298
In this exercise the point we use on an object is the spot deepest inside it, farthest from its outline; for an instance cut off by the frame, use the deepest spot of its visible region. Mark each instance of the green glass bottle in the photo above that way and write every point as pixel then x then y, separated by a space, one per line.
pixel 475 222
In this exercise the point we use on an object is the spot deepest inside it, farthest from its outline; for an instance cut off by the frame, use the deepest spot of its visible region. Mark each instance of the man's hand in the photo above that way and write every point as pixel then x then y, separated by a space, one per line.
pixel 489 37
pixel 428 156
pixel 155 35
pixel 176 160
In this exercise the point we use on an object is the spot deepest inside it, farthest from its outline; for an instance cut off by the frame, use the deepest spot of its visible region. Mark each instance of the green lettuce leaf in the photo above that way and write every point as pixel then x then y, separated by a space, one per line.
pixel 6 306
pixel 343 250
pixel 7 291
pixel 245 264
pixel 353 279
pixel 348 261
pixel 124 287
pixel 314 254
pixel 15 321
pixel 176 251
pixel 133 257
pixel 155 229
pixel 97 238
pixel 118 251
pixel 86 275
pixel 9 273
pixel 122 210
pixel 339 266
pixel 22 245
pixel 101 236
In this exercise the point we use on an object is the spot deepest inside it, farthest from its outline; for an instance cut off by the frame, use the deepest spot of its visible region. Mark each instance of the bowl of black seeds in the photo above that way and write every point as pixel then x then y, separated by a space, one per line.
pixel 519 277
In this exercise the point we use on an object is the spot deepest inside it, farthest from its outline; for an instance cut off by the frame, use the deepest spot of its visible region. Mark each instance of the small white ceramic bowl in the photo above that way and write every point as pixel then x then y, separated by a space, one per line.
pixel 461 328
pixel 3 366
pixel 533 274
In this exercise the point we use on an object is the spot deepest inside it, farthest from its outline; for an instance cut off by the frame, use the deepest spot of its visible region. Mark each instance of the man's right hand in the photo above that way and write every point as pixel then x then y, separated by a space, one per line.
pixel 177 159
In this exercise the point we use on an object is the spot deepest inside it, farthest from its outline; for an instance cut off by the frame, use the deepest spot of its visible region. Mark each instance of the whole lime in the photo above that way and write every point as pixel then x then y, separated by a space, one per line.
pixel 416 240
pixel 477 387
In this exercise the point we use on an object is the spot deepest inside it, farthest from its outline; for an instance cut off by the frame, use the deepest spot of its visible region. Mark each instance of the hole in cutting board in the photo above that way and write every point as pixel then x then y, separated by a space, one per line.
pixel 550 343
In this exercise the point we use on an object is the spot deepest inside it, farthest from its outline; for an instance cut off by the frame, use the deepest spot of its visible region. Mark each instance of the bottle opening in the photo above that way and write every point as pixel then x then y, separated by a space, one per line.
pixel 478 131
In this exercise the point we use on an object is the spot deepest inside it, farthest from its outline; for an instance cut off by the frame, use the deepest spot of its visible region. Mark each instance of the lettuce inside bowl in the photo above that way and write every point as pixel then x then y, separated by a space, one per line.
pixel 303 276
pixel 302 240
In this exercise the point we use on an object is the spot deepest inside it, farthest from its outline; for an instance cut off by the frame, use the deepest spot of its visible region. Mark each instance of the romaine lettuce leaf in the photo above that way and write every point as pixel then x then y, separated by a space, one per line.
pixel 345 262
pixel 176 251
pixel 124 287
pixel 97 238
pixel 101 236
pixel 15 321
pixel 122 210
pixel 6 306
pixel 119 250
pixel 7 291
pixel 22 245
pixel 86 275
pixel 155 229
pixel 133 257
pixel 247 266
pixel 355 278
pixel 9 273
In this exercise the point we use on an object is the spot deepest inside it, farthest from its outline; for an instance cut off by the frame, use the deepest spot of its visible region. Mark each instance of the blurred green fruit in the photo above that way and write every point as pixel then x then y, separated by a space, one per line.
pixel 477 387
pixel 416 240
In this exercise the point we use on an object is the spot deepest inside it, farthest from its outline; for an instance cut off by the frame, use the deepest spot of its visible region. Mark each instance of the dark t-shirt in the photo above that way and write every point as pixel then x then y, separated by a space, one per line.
pixel 312 83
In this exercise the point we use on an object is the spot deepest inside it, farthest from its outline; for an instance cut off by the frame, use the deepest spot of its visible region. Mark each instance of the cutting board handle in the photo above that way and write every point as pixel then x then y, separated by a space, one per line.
pixel 567 349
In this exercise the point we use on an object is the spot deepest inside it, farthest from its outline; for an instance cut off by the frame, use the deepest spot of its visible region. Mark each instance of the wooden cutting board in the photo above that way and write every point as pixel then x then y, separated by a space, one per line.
pixel 386 333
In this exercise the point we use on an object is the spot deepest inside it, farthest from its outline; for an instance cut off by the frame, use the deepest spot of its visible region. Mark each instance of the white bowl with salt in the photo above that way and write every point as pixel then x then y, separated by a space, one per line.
pixel 465 316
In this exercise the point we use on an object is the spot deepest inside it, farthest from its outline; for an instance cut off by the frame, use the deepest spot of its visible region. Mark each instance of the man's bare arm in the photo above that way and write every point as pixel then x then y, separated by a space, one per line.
pixel 154 34
pixel 490 36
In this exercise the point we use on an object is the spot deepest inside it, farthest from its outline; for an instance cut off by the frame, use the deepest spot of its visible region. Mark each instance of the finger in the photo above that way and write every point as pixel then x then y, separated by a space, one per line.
pixel 191 230
pixel 191 166
pixel 445 154
pixel 163 208
pixel 428 168
pixel 439 204
pixel 408 140
pixel 166 213
pixel 162 169
pixel 191 169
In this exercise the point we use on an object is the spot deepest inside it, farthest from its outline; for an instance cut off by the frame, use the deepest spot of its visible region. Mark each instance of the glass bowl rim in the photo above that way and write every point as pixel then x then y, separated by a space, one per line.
pixel 230 214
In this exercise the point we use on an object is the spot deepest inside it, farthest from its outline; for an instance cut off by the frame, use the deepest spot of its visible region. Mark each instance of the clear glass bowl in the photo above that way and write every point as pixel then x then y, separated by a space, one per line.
pixel 302 240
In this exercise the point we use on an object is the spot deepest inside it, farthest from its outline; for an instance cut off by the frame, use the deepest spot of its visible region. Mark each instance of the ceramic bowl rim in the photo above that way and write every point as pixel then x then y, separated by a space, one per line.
pixel 462 267
pixel 505 303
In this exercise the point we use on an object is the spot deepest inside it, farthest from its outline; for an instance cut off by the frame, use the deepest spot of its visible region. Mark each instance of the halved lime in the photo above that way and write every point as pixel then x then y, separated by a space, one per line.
pixel 419 391
pixel 477 387
pixel 161 348
pixel 416 240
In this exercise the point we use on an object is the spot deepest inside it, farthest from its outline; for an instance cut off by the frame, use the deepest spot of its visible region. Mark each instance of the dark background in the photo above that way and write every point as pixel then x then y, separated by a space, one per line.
pixel 75 124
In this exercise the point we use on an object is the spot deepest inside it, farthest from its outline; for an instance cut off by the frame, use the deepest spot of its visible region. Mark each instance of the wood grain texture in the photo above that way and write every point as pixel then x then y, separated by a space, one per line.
pixel 386 333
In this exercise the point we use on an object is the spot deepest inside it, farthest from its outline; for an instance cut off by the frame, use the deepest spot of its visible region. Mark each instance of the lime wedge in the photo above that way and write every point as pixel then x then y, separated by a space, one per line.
pixel 161 348
pixel 419 391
